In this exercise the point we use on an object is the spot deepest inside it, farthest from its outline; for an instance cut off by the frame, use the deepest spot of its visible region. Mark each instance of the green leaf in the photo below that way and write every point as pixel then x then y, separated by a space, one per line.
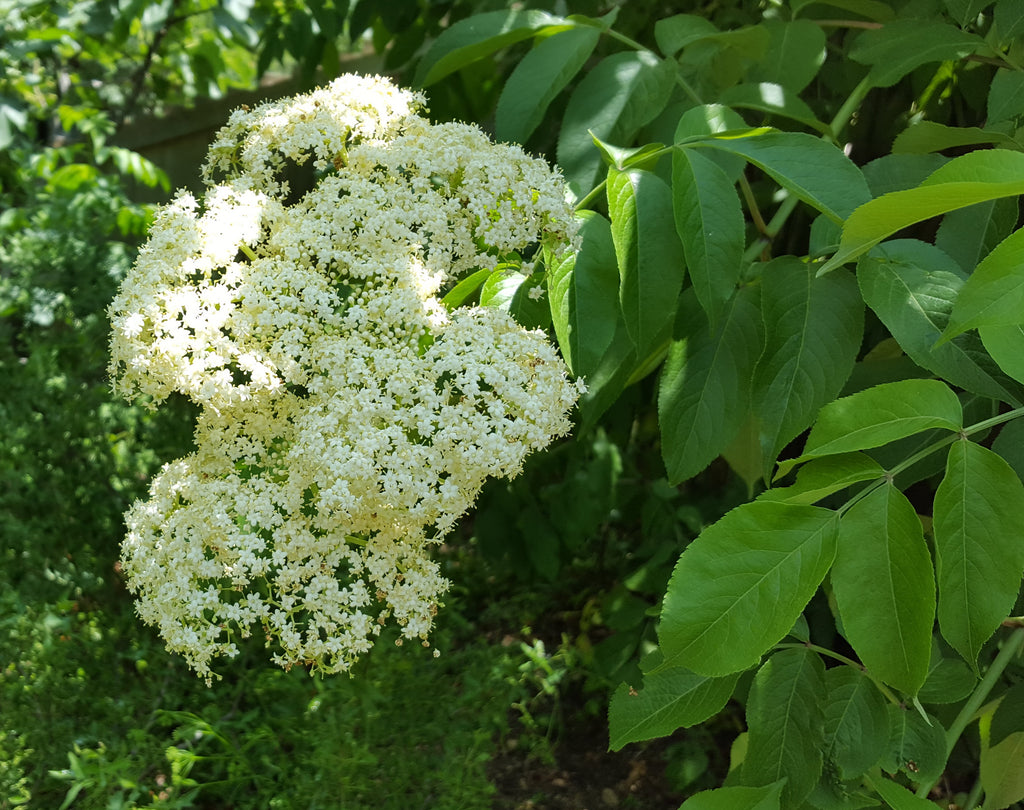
pixel 538 79
pixel 736 798
pixel 979 555
pixel 912 287
pixel 622 93
pixel 786 722
pixel 1008 717
pixel 897 796
pixel 704 392
pixel 584 290
pixel 822 477
pixel 874 10
pixel 928 136
pixel 1006 346
pixel 881 415
pixel 796 51
pixel 949 679
pixel 994 293
pixel 476 37
pixel 739 587
pixel 884 588
pixel 814 170
pixel 917 745
pixel 710 224
pixel 1002 772
pixel 709 119
pixel 674 33
pixel 1008 20
pixel 969 233
pixel 1005 95
pixel 856 722
pixel 773 99
pixel 976 177
pixel 670 699
pixel 813 332
pixel 457 296
pixel 650 257
pixel 899 47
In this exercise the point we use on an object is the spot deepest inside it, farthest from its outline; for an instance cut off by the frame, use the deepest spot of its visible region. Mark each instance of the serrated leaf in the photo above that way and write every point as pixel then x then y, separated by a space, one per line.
pixel 710 119
pixel 785 722
pixel 856 722
pixel 994 293
pixel 884 588
pixel 538 79
pixel 796 51
pixel 1006 346
pixel 813 332
pixel 739 587
pixel 976 177
pixel 670 699
pixel 814 170
pixel 457 296
pixel 881 415
pixel 979 546
pixel 917 746
pixel 584 296
pixel 898 797
pixel 704 393
pixel 928 136
pixel 650 257
pixel 969 233
pixel 822 477
pixel 1002 772
pixel 736 798
pixel 1008 717
pixel 901 46
pixel 773 99
pixel 674 33
pixel 949 679
pixel 622 93
pixel 476 37
pixel 709 221
pixel 912 287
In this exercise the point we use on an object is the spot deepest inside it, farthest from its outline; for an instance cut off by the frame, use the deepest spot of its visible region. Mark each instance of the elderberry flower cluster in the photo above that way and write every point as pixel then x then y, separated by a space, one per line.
pixel 347 417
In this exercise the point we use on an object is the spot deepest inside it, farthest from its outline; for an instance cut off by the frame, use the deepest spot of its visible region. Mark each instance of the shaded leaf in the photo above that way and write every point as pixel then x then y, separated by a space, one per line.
pixel 903 45
pixel 856 722
pixel 917 746
pixel 796 51
pixel 736 798
pixel 994 293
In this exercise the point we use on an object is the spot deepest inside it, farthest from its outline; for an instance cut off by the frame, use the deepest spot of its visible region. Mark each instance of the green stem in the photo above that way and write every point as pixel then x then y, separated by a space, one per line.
pixel 853 101
pixel 974 796
pixel 247 251
pixel 592 195
pixel 1010 649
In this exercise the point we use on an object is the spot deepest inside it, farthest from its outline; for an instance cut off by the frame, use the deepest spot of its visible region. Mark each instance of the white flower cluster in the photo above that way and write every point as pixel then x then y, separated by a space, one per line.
pixel 348 418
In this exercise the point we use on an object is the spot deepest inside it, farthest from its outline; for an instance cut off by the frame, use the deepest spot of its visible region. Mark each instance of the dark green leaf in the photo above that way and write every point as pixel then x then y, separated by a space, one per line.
pixel 739 587
pixel 949 679
pixel 967 234
pixel 903 45
pixel 898 797
pixel 773 99
pixel 856 722
pixel 616 98
pixel 928 136
pixel 786 724
pixel 674 33
pixel 705 384
pixel 650 257
pixel 1006 346
pixel 1002 772
pixel 979 554
pixel 812 335
pixel 736 798
pixel 885 589
pixel 796 51
pixel 917 746
pixel 670 699
pixel 1009 715
pixel 709 221
pixel 1008 20
pixel 1006 95
pixel 538 79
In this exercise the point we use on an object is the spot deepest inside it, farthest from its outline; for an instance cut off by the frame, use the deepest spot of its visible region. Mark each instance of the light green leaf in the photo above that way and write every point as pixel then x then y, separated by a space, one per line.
pixel 884 588
pixel 899 47
pixel 739 587
pixel 538 79
pixel 796 51
pixel 814 170
pixel 622 93
pixel 917 746
pixel 928 136
pixel 994 293
pixel 670 699
pixel 1006 346
pixel 813 332
pixel 1008 717
pixel 822 477
pixel 709 221
pixel 584 290
pixel 1002 772
pixel 881 415
pixel 704 392
pixel 478 36
pixel 897 796
pixel 976 177
pixel 708 119
pixel 979 553
pixel 773 99
pixel 912 287
pixel 1005 95
pixel 736 798
pixel 649 254
pixel 465 288
pixel 856 722
pixel 786 724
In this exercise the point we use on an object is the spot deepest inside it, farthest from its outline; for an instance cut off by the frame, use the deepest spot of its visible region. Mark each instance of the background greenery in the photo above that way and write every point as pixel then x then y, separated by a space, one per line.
pixel 695 392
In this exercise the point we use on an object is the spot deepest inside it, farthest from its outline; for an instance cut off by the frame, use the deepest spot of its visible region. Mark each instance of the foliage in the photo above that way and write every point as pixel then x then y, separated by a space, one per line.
pixel 800 255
